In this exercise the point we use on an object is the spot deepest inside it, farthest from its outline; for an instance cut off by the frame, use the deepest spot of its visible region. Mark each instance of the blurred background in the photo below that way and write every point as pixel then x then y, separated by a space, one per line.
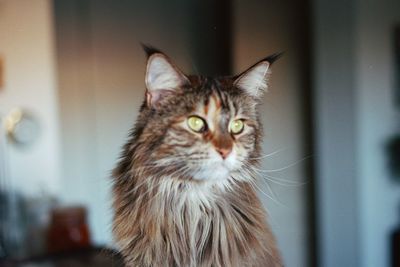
pixel 72 80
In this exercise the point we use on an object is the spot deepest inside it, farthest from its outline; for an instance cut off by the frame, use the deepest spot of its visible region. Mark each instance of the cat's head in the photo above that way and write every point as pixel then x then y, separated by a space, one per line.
pixel 200 128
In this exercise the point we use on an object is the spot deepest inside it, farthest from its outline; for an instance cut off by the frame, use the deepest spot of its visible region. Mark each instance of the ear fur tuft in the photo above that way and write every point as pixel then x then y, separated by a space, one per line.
pixel 254 80
pixel 162 76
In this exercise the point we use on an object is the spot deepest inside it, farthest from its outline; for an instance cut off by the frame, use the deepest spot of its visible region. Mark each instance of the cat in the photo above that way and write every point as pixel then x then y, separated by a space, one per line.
pixel 184 187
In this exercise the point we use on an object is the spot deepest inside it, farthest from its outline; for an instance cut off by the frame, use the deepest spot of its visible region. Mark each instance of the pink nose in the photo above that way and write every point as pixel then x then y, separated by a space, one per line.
pixel 224 152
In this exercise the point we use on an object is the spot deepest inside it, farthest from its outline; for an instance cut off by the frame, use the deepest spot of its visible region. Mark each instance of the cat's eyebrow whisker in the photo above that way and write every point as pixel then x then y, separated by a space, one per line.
pixel 194 67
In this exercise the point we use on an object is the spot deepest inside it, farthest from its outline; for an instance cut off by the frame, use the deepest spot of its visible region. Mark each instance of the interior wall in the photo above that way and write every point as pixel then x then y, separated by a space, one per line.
pixel 27 48
pixel 261 28
pixel 355 117
pixel 378 121
pixel 101 66
pixel 337 191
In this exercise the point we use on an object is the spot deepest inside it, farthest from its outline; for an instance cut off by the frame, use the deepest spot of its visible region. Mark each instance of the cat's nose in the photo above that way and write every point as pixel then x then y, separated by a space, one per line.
pixel 224 151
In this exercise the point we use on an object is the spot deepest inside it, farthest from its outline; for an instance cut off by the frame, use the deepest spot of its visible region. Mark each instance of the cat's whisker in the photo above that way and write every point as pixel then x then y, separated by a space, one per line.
pixel 269 154
pixel 286 167
pixel 257 188
pixel 254 183
pixel 275 180
pixel 279 180
pixel 269 188
pixel 285 183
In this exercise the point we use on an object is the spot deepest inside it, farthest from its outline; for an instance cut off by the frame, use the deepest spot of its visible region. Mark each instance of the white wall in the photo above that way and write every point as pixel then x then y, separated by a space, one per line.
pixel 378 120
pixel 26 45
pixel 355 116
pixel 337 190
pixel 260 29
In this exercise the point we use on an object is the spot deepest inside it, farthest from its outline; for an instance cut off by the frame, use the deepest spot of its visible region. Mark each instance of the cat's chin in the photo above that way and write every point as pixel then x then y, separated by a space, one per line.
pixel 215 173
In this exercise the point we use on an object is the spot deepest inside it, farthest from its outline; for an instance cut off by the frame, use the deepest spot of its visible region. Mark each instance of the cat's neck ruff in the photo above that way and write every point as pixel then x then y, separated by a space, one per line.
pixel 194 193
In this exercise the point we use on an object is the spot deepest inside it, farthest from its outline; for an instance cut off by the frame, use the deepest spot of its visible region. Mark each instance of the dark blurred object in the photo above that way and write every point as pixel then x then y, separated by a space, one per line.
pixel 397 65
pixel 90 257
pixel 395 244
pixel 38 215
pixel 393 152
pixel 12 225
pixel 23 224
pixel 68 230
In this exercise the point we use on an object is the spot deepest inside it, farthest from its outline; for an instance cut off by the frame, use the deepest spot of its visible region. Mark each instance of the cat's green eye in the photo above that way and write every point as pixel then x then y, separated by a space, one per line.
pixel 197 124
pixel 236 126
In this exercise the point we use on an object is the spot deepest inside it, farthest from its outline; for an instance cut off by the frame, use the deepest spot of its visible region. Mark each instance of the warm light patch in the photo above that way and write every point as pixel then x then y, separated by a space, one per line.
pixel 1 73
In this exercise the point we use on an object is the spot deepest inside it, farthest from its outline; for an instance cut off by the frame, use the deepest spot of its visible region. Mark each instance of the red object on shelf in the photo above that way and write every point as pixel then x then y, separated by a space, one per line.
pixel 68 230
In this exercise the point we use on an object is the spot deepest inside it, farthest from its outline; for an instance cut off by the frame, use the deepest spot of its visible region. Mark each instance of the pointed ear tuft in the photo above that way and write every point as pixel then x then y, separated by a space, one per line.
pixel 149 49
pixel 162 77
pixel 254 81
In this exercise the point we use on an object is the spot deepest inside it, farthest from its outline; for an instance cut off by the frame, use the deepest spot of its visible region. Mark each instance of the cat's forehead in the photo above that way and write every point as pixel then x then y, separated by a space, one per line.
pixel 217 98
pixel 213 103
pixel 214 96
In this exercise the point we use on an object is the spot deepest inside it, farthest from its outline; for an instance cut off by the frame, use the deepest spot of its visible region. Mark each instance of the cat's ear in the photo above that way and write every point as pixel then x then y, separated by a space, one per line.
pixel 254 80
pixel 162 77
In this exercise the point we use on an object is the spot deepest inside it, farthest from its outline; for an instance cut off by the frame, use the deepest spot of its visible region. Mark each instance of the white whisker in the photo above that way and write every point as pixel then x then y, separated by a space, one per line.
pixel 270 154
pixel 286 167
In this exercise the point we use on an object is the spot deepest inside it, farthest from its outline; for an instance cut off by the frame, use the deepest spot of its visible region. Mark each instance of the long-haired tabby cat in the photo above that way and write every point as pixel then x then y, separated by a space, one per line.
pixel 183 189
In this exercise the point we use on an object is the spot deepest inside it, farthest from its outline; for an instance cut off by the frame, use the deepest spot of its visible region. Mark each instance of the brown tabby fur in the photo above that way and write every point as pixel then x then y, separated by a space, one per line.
pixel 164 217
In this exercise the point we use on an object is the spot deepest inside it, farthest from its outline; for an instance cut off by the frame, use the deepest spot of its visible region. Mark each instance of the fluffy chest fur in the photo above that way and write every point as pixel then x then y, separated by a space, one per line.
pixel 177 225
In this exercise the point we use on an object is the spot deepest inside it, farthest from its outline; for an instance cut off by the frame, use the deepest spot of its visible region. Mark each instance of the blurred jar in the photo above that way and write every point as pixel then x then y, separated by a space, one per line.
pixel 68 230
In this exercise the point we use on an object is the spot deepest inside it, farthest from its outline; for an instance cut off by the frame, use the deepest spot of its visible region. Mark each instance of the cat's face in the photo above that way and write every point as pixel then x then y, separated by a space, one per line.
pixel 213 138
pixel 200 129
